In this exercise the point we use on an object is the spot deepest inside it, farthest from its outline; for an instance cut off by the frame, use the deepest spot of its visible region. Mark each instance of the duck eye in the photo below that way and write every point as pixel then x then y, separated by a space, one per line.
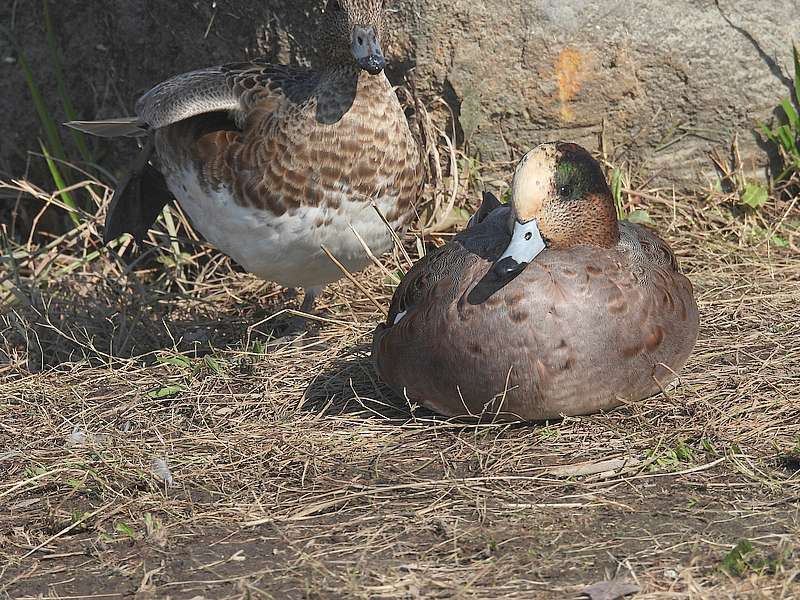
pixel 528 236
pixel 565 191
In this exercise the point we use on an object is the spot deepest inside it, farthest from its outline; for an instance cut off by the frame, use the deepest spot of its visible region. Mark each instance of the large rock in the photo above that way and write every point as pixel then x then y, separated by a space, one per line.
pixel 670 80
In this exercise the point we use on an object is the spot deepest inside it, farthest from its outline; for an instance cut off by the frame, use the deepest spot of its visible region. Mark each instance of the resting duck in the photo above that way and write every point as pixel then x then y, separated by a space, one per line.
pixel 271 162
pixel 546 307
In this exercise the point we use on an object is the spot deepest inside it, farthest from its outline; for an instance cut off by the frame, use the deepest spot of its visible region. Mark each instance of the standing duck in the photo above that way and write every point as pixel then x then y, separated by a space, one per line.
pixel 546 307
pixel 272 162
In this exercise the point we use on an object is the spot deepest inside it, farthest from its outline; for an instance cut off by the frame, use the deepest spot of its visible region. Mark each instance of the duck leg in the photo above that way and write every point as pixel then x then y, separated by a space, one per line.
pixel 297 329
pixel 311 294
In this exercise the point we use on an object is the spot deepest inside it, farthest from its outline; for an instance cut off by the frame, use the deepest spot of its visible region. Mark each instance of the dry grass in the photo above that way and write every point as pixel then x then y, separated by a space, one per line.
pixel 154 442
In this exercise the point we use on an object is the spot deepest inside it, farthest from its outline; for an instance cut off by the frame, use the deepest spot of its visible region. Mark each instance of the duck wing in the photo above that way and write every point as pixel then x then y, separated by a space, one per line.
pixel 138 199
pixel 440 266
pixel 234 88
pixel 485 237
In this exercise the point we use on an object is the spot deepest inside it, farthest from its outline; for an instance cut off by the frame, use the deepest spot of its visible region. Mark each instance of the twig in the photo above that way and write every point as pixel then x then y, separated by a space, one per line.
pixel 355 281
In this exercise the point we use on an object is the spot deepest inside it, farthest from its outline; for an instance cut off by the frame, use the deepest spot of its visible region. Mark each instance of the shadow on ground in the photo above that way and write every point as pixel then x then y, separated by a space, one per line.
pixel 350 386
pixel 112 318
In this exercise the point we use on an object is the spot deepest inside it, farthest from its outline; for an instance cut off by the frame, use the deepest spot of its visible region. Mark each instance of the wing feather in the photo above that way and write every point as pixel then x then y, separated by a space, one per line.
pixel 235 88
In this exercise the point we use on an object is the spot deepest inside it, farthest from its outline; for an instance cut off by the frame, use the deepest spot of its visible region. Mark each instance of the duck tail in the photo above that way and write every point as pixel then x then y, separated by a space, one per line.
pixel 138 199
pixel 123 127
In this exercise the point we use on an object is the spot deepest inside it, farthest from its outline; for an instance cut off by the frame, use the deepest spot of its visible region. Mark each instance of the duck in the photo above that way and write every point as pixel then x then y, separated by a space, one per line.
pixel 274 164
pixel 545 307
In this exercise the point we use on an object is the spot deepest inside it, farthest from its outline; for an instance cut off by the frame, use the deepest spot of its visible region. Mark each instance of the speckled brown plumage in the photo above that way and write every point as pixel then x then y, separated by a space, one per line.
pixel 581 329
pixel 272 162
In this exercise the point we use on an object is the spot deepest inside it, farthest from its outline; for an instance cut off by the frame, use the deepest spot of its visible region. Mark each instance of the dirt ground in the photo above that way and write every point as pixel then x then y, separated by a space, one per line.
pixel 159 438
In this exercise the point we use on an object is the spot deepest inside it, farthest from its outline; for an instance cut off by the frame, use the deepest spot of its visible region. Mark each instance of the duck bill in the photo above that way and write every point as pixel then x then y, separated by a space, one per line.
pixel 526 243
pixel 367 51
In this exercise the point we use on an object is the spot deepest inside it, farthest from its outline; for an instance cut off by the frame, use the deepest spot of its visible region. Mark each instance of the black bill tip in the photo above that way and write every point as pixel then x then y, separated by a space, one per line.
pixel 507 267
pixel 373 64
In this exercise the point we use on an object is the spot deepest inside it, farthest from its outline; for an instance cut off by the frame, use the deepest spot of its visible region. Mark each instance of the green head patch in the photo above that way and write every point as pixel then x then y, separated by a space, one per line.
pixel 577 174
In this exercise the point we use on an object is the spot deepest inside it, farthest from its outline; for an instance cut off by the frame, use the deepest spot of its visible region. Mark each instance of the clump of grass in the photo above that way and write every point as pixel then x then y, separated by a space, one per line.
pixel 637 215
pixel 743 559
pixel 747 204
pixel 735 561
pixel 786 136
pixel 752 195
pixel 749 194
pixel 670 458
pixel 62 189
pixel 51 132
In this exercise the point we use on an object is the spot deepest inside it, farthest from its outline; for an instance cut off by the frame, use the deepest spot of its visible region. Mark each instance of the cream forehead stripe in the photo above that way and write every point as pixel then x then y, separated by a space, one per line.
pixel 533 178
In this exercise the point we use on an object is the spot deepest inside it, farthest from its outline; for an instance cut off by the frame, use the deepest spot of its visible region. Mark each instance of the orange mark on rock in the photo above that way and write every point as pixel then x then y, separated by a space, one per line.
pixel 570 73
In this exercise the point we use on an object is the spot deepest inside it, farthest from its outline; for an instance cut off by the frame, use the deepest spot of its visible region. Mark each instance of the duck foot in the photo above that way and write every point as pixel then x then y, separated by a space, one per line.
pixel 298 330
pixel 296 337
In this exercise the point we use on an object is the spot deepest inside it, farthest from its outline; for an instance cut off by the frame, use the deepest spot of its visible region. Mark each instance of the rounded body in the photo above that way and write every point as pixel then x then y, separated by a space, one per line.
pixel 579 330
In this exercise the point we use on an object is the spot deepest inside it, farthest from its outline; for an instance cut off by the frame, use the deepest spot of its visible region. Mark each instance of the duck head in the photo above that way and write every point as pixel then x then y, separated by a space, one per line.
pixel 559 199
pixel 351 32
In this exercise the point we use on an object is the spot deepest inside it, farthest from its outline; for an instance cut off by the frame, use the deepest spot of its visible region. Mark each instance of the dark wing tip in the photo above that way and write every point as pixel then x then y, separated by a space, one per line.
pixel 488 203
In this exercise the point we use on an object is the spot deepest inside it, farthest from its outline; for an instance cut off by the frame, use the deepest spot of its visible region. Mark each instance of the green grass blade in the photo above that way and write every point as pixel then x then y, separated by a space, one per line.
pixel 796 54
pixel 785 136
pixel 791 113
pixel 46 120
pixel 69 109
pixel 616 192
pixel 768 133
pixel 58 180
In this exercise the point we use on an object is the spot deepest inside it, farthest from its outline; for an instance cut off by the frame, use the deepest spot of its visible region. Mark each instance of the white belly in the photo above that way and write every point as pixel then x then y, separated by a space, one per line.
pixel 287 248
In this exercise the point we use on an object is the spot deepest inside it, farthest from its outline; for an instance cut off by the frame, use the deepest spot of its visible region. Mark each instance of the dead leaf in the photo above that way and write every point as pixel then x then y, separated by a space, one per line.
pixel 610 590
